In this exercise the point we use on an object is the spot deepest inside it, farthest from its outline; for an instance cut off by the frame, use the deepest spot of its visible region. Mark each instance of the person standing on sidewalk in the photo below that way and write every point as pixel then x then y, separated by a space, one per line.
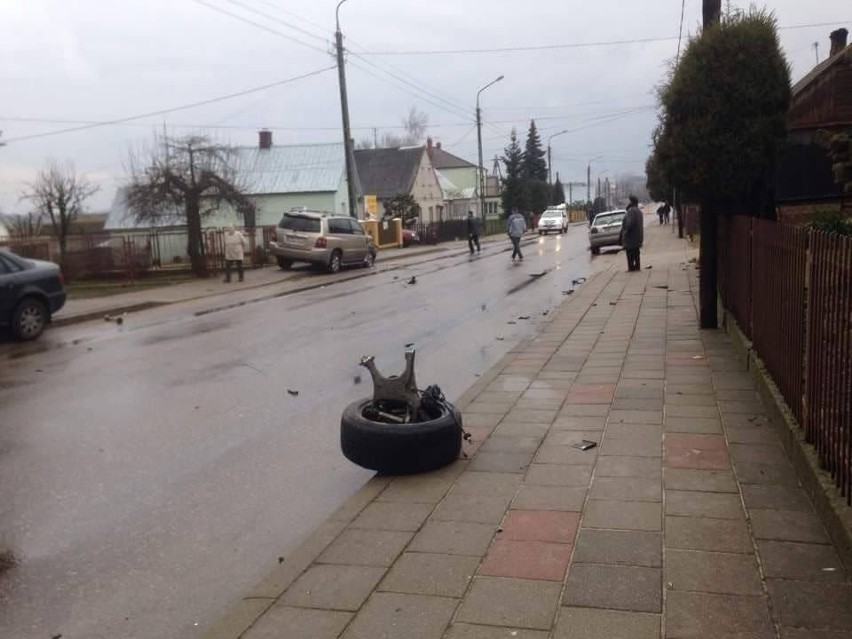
pixel 632 233
pixel 516 227
pixel 472 231
pixel 235 243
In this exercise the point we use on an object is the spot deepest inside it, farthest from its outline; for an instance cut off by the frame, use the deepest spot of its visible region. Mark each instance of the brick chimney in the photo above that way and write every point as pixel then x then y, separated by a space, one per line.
pixel 264 139
pixel 838 41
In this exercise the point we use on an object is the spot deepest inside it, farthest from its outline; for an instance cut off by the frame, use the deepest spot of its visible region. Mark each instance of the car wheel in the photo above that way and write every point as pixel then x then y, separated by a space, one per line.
pixel 400 449
pixel 29 319
pixel 596 250
pixel 284 264
pixel 334 262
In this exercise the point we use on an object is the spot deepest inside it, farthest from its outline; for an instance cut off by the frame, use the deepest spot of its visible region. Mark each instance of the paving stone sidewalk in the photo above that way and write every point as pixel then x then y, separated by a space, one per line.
pixel 686 520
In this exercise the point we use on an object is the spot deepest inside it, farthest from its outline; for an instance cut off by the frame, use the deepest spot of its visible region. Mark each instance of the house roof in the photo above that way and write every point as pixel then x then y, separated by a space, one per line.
pixel 452 192
pixel 297 168
pixel 386 173
pixel 819 69
pixel 120 216
pixel 442 159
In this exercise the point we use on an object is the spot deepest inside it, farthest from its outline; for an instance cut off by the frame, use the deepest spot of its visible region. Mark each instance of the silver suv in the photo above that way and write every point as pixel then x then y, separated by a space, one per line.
pixel 329 240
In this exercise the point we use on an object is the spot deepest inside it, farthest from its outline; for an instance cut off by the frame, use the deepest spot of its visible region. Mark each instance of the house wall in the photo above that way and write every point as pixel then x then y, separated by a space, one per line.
pixel 427 191
pixel 271 207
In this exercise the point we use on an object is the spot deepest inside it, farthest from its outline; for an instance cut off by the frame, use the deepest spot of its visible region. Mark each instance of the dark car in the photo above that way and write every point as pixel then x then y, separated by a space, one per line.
pixel 31 291
pixel 409 237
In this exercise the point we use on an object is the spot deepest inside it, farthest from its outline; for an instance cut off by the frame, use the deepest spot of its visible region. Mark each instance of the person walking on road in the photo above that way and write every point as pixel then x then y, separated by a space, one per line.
pixel 472 231
pixel 235 243
pixel 516 226
pixel 632 233
pixel 667 213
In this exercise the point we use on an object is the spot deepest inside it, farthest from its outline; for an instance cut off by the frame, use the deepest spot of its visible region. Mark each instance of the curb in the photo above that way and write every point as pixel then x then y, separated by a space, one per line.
pixel 836 516
pixel 243 614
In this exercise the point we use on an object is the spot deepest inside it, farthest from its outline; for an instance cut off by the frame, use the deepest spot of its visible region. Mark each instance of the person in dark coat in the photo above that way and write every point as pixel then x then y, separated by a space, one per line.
pixel 633 233
pixel 472 231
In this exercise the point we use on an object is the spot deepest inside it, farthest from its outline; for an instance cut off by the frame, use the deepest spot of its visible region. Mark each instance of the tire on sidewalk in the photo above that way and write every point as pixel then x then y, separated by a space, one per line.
pixel 400 449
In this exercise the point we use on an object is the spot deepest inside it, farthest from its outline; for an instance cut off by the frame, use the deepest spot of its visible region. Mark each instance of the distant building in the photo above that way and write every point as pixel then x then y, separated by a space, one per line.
pixel 822 101
pixel 388 173
pixel 277 178
pixel 460 182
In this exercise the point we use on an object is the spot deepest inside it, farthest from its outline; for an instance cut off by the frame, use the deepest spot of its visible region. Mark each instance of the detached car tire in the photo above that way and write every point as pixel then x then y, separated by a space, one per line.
pixel 400 449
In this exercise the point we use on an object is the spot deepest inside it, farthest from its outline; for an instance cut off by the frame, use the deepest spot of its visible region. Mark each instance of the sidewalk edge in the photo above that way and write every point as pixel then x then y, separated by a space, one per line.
pixel 243 614
pixel 836 516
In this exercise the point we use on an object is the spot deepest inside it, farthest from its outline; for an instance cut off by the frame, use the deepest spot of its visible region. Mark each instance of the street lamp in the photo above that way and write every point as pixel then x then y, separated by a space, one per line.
pixel 481 180
pixel 589 178
pixel 549 172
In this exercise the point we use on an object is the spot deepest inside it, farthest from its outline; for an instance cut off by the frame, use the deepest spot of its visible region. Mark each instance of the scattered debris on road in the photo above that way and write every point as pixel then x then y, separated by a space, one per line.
pixel 357 379
pixel 568 292
pixel 579 280
pixel 584 444
pixel 118 319
pixel 413 280
pixel 294 393
pixel 524 317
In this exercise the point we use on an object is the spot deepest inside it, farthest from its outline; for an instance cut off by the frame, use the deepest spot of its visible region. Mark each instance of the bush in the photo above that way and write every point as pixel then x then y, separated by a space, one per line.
pixel 831 222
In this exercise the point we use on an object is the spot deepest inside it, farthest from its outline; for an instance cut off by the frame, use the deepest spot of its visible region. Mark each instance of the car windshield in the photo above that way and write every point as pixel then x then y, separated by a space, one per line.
pixel 300 223
pixel 608 218
pixel 552 214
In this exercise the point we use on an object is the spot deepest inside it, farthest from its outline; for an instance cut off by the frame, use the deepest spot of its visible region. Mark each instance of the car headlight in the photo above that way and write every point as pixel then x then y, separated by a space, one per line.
pixel 594 230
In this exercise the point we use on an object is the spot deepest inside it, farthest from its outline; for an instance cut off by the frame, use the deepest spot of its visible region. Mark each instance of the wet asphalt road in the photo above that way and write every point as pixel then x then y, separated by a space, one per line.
pixel 152 473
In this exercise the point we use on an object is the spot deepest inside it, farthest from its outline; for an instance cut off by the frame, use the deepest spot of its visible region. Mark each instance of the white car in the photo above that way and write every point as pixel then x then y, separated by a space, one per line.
pixel 552 221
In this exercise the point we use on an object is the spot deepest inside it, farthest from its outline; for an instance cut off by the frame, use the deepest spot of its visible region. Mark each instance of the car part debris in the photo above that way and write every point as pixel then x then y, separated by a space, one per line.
pixel 294 393
pixel 585 444
pixel 396 388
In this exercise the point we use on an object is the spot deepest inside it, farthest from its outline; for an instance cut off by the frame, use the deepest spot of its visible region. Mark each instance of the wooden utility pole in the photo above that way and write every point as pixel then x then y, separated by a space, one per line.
pixel 708 222
pixel 712 12
pixel 344 107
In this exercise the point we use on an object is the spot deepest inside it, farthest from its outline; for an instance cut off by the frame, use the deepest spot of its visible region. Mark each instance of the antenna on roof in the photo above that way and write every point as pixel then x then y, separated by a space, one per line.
pixel 816 51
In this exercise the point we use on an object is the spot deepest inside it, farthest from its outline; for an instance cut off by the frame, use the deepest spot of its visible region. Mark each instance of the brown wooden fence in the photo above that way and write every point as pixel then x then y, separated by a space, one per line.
pixel 790 291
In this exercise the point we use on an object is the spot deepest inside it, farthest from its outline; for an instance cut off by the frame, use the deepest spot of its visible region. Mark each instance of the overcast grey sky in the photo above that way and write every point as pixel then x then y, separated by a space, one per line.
pixel 65 63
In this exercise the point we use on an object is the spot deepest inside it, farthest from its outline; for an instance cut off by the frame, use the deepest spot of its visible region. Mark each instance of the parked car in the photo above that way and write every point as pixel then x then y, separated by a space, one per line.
pixel 553 221
pixel 410 237
pixel 325 239
pixel 31 291
pixel 606 230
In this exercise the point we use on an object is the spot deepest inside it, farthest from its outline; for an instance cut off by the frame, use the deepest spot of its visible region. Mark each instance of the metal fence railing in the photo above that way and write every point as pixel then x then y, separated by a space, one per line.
pixel 790 291
pixel 828 377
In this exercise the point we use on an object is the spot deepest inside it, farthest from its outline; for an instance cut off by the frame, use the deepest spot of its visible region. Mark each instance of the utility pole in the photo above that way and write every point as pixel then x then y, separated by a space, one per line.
pixel 481 169
pixel 375 138
pixel 709 243
pixel 816 51
pixel 344 107
pixel 589 183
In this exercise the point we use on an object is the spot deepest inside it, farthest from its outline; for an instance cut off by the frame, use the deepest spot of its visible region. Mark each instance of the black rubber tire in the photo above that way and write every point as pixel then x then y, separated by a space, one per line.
pixel 596 250
pixel 284 264
pixel 402 449
pixel 335 262
pixel 29 319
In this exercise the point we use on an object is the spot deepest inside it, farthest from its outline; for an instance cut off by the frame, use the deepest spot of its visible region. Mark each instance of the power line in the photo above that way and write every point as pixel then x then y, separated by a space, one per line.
pixel 286 24
pixel 184 107
pixel 259 25
pixel 575 45
pixel 680 33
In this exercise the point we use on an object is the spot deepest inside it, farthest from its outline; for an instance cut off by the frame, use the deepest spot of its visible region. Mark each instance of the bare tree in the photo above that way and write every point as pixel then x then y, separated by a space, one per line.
pixel 24 227
pixel 58 195
pixel 186 179
pixel 415 126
